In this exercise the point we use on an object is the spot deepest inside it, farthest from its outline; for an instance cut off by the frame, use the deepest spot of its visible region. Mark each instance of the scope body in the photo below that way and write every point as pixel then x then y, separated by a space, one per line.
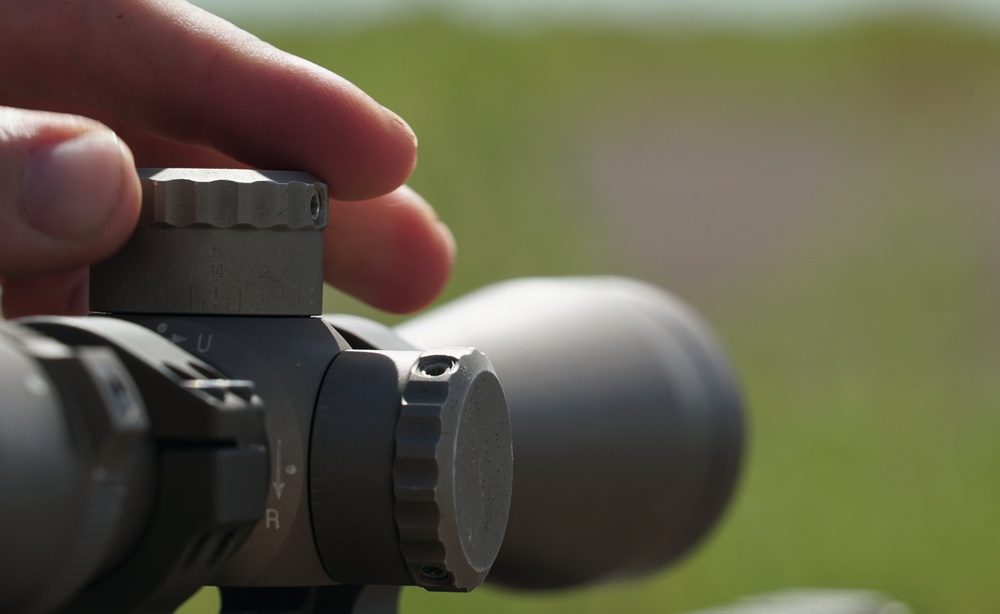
pixel 215 431
pixel 286 359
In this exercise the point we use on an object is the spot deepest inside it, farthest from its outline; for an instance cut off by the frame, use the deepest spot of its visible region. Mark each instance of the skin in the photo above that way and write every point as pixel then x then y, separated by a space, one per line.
pixel 116 84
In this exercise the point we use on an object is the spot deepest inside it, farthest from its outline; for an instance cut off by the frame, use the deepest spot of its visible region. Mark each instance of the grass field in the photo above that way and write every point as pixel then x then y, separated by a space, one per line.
pixel 828 199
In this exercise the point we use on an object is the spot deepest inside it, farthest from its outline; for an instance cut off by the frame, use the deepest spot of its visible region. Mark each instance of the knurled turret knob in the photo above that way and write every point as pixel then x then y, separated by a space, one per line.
pixel 415 489
pixel 220 242
pixel 452 473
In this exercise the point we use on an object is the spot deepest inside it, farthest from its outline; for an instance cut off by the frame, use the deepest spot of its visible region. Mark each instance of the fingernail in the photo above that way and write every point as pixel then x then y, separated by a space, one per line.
pixel 71 188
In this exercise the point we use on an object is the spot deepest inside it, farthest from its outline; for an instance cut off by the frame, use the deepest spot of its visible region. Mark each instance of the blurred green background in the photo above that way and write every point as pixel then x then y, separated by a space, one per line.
pixel 826 196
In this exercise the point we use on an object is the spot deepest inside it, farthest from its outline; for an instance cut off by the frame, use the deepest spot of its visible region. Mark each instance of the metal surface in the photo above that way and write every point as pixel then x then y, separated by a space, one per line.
pixel 216 246
pixel 286 358
pixel 383 463
pixel 171 457
pixel 220 242
pixel 417 488
pixel 74 437
pixel 627 423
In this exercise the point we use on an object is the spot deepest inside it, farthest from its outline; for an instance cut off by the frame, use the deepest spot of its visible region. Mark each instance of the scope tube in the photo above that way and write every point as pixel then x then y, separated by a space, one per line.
pixel 626 417
pixel 75 464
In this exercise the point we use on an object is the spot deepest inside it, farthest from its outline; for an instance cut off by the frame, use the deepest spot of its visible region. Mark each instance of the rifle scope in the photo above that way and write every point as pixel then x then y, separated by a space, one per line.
pixel 205 427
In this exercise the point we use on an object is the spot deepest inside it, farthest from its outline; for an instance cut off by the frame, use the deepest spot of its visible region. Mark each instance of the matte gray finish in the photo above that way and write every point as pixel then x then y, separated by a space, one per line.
pixel 412 468
pixel 73 438
pixel 385 465
pixel 286 358
pixel 452 471
pixel 627 423
pixel 168 476
pixel 220 242
pixel 351 484
pixel 194 271
pixel 337 424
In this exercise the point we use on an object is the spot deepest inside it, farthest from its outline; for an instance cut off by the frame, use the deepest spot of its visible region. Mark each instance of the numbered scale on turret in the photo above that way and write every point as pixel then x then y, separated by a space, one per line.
pixel 220 242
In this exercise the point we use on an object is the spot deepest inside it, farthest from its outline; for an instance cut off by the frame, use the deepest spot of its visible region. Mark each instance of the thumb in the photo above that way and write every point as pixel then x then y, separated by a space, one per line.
pixel 69 193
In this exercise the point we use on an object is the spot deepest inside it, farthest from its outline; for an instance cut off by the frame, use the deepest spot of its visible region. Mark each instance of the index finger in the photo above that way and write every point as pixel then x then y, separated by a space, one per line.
pixel 176 71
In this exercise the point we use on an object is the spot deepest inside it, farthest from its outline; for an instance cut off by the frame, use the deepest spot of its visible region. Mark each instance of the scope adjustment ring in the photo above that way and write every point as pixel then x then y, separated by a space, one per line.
pixel 452 472
pixel 416 488
pixel 219 242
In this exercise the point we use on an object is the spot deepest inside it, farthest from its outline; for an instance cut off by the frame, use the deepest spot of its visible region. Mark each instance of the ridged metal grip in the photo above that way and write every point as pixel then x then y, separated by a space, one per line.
pixel 220 242
pixel 453 469
pixel 414 489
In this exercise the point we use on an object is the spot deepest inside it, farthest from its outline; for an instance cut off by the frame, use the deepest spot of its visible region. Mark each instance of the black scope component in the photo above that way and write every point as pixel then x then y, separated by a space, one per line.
pixel 204 427
pixel 130 469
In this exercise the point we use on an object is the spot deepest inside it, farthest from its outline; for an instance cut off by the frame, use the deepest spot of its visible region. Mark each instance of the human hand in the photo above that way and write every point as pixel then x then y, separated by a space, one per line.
pixel 181 87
